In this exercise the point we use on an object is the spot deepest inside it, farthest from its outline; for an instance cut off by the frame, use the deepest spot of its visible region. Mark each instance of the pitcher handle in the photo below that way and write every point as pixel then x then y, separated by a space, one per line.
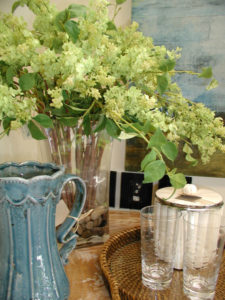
pixel 64 234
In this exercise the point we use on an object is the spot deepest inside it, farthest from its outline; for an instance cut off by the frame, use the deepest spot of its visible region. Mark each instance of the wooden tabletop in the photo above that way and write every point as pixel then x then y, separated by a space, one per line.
pixel 83 270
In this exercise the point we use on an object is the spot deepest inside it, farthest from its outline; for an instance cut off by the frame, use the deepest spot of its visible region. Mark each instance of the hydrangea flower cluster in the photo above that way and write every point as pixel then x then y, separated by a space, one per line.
pixel 76 65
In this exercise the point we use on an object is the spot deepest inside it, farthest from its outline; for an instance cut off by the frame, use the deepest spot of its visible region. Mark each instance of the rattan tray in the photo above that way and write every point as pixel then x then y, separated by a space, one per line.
pixel 120 262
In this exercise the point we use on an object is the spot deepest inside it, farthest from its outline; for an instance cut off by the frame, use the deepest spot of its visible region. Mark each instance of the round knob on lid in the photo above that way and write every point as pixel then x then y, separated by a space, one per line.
pixel 190 189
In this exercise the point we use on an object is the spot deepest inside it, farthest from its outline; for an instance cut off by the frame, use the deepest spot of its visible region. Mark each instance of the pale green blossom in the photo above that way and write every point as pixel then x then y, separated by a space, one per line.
pixel 15 125
pixel 56 97
pixel 94 93
pixel 18 45
pixel 14 105
pixel 115 102
pixel 46 63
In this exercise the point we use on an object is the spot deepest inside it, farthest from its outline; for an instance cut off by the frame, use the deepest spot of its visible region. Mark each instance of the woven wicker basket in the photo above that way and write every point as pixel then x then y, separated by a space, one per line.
pixel 120 262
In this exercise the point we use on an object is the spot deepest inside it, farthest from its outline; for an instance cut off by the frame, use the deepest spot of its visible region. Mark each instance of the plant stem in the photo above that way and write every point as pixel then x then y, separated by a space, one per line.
pixel 187 72
pixel 89 109
pixel 88 157
pixel 135 129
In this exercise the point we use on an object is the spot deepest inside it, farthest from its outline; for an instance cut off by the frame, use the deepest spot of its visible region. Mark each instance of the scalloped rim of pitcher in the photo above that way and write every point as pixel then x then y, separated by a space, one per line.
pixel 59 170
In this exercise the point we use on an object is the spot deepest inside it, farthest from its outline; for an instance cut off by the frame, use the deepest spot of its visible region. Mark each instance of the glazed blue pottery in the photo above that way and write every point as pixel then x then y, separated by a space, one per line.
pixel 31 267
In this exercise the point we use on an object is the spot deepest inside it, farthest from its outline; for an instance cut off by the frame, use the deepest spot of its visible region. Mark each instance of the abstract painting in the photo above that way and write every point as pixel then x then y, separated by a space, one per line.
pixel 198 27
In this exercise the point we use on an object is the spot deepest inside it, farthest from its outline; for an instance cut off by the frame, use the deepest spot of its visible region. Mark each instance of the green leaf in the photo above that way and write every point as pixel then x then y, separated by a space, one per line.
pixel 65 95
pixel 59 112
pixel 111 26
pixel 194 163
pixel 188 157
pixel 157 140
pixel 177 180
pixel 169 149
pixel 173 171
pixel 44 120
pixel 3 67
pixel 146 89
pixel 148 127
pixel 191 159
pixel 63 22
pixel 112 129
pixel 35 131
pixel 77 10
pixel 187 149
pixel 162 83
pixel 154 171
pixel 151 156
pixel 120 1
pixel 167 65
pixel 15 5
pixel 72 29
pixel 27 81
pixel 128 129
pixel 61 18
pixel 40 86
pixel 6 122
pixel 125 136
pixel 212 85
pixel 87 125
pixel 57 45
pixel 10 73
pixel 69 121
pixel 101 124
pixel 206 73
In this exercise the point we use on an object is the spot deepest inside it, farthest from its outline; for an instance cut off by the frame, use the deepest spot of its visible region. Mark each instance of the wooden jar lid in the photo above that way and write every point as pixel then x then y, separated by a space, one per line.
pixel 203 198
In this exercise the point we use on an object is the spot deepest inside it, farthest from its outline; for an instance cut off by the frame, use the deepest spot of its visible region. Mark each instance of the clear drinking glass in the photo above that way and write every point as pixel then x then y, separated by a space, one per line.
pixel 158 239
pixel 204 237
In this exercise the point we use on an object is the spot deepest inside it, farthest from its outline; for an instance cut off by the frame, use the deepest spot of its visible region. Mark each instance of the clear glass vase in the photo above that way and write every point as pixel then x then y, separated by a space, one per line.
pixel 88 157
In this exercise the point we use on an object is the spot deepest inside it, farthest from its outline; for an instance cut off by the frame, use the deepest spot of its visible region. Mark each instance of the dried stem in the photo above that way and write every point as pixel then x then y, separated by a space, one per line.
pixel 88 156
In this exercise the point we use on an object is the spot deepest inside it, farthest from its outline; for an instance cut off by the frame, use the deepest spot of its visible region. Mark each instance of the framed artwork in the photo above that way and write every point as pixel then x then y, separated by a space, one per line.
pixel 198 27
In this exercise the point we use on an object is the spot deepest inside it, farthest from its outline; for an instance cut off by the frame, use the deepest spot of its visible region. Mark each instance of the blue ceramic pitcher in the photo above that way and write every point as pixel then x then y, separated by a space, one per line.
pixel 31 267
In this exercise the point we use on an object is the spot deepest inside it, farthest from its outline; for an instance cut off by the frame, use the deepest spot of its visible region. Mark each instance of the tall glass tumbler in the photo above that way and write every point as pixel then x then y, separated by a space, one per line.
pixel 158 239
pixel 204 237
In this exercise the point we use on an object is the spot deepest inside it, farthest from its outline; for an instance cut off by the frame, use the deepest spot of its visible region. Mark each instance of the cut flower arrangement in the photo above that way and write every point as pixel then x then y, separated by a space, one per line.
pixel 76 67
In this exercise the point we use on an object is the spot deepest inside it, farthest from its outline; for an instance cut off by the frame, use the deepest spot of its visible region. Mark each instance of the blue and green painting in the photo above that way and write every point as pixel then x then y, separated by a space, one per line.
pixel 198 27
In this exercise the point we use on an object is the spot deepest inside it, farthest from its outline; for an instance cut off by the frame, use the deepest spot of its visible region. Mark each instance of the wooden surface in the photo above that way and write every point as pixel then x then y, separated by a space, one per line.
pixel 83 270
